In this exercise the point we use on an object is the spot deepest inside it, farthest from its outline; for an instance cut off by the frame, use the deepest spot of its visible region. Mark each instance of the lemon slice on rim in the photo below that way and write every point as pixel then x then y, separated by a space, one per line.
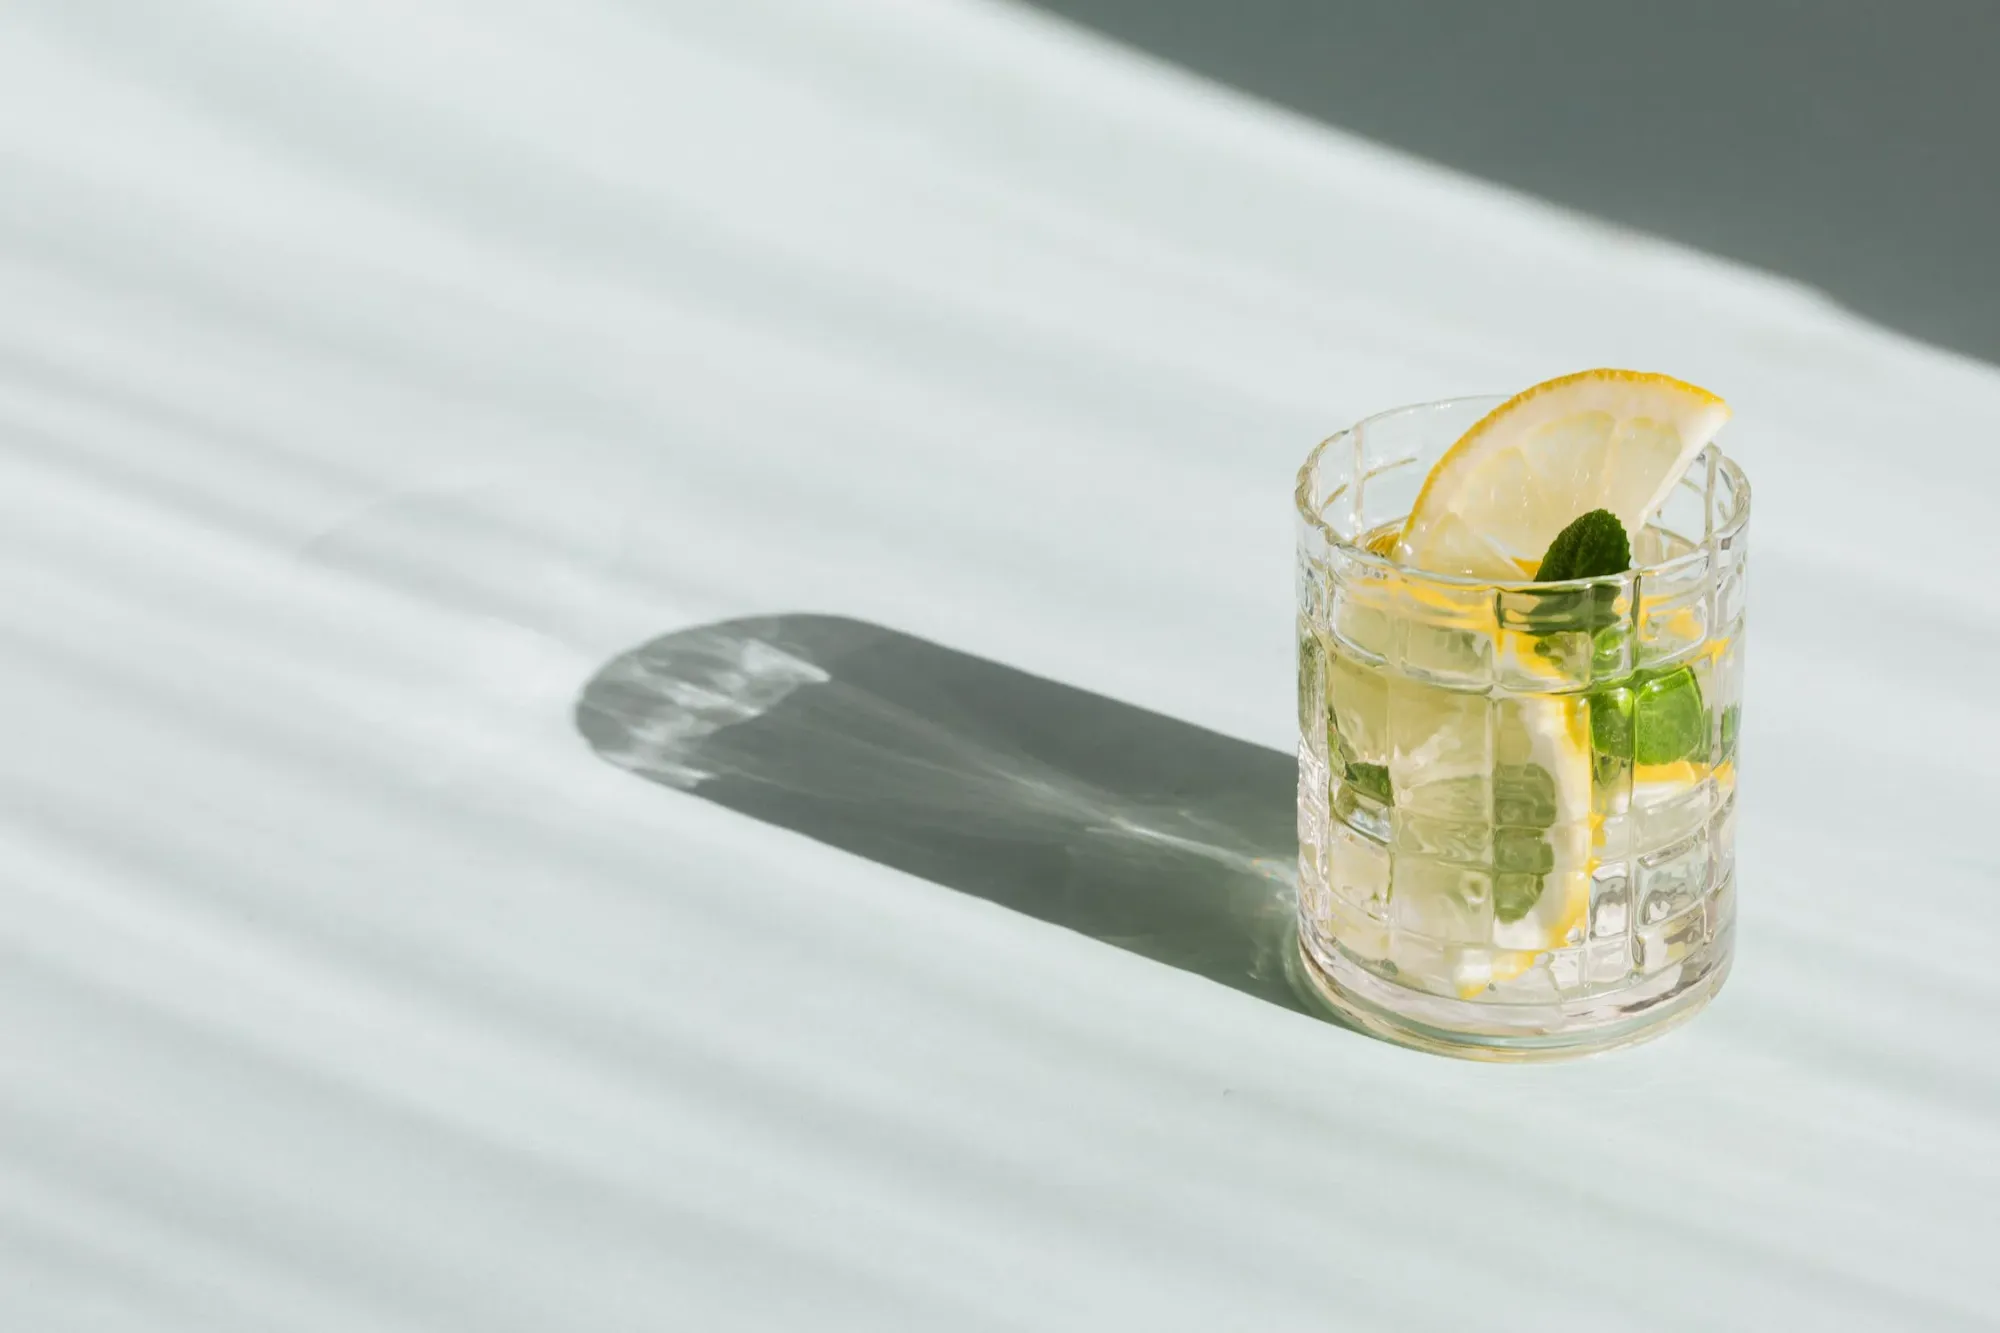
pixel 1598 439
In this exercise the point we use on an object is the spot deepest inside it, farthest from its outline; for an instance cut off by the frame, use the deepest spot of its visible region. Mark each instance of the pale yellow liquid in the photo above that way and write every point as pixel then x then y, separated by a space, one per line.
pixel 1484 837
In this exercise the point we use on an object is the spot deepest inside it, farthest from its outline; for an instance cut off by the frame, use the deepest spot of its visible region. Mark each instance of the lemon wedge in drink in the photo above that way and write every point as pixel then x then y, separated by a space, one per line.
pixel 1599 439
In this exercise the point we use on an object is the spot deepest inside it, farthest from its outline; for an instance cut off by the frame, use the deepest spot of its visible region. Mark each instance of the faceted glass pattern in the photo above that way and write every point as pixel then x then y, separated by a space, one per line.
pixel 1516 801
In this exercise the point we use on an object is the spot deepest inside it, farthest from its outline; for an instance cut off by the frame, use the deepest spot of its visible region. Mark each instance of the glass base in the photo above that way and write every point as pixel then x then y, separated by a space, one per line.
pixel 1471 1030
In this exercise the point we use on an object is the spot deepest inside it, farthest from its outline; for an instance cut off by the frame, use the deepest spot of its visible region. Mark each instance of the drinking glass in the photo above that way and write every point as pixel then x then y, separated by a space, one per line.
pixel 1517 801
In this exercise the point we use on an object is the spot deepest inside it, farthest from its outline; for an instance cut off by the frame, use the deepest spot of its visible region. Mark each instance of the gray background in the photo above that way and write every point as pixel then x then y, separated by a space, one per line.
pixel 1848 146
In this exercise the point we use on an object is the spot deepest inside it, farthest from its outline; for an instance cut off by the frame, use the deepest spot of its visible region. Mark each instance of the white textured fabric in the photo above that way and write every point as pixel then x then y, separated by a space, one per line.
pixel 373 372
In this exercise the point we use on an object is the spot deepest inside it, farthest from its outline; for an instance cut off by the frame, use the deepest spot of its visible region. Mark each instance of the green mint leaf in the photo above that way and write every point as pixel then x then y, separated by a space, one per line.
pixel 1593 546
pixel 1522 851
pixel 1668 719
pixel 1515 895
pixel 1590 547
pixel 1524 808
pixel 1371 779
pixel 1655 719
pixel 1611 722
pixel 1524 796
pixel 1362 797
pixel 1606 770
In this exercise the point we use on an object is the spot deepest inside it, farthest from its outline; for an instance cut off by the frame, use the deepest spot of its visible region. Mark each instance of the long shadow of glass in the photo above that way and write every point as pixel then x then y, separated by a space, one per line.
pixel 1144 832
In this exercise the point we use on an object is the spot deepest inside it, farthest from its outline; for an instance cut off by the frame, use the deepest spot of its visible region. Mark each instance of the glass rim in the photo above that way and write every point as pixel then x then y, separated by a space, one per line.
pixel 1309 471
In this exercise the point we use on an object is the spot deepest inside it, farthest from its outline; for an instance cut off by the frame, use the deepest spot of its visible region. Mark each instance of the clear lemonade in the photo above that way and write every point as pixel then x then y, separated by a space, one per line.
pixel 1517 801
